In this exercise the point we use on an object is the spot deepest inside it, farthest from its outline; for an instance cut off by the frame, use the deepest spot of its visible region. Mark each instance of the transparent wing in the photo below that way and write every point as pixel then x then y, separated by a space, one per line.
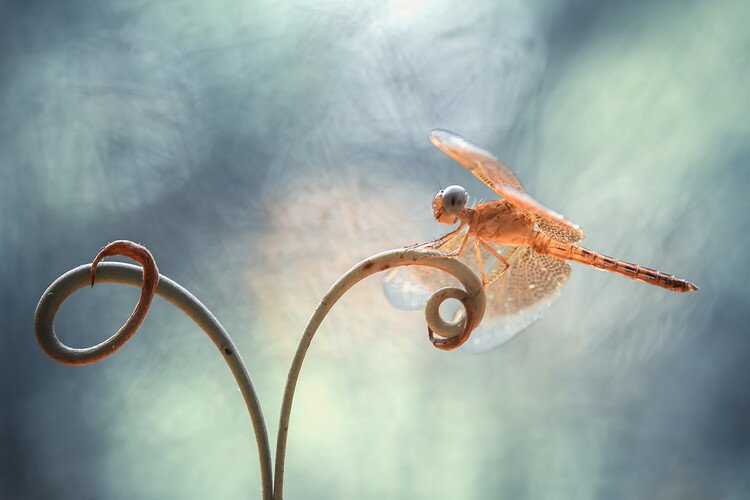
pixel 481 163
pixel 515 300
pixel 518 297
pixel 503 181
pixel 409 287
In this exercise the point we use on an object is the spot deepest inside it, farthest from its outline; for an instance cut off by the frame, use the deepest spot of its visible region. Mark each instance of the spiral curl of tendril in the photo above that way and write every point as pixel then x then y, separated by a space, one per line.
pixel 151 283
pixel 443 334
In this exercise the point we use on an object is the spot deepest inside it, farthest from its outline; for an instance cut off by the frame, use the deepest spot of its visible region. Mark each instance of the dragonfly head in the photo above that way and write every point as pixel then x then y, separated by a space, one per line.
pixel 448 203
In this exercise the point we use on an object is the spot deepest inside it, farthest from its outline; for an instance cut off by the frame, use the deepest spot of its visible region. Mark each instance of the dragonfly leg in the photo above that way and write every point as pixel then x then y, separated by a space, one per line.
pixel 480 261
pixel 495 253
pixel 438 241
pixel 494 275
pixel 461 248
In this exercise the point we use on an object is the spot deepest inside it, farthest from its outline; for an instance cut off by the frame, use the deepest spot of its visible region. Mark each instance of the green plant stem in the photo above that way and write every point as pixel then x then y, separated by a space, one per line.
pixel 79 277
pixel 453 334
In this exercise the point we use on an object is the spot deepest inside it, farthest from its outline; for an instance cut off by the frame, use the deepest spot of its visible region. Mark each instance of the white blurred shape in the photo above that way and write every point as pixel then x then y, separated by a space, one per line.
pixel 405 293
pixel 404 11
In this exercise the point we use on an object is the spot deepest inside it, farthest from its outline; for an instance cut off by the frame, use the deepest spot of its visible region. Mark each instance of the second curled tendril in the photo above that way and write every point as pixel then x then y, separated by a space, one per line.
pixel 63 287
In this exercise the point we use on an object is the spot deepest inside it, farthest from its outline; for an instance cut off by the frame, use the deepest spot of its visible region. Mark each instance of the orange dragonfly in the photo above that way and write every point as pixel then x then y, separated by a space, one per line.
pixel 520 248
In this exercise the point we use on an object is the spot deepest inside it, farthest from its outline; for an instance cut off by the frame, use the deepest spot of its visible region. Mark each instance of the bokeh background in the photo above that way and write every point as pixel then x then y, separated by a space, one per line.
pixel 261 148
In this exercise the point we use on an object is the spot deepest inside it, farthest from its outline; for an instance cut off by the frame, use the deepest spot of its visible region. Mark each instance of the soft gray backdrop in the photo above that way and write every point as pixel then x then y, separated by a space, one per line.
pixel 260 148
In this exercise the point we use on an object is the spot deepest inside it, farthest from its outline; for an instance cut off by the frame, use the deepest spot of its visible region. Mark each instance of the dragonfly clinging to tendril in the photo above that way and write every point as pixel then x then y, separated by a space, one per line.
pixel 519 247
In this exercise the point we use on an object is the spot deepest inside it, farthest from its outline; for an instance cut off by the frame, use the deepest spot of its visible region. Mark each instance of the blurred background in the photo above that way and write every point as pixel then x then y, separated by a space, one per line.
pixel 259 149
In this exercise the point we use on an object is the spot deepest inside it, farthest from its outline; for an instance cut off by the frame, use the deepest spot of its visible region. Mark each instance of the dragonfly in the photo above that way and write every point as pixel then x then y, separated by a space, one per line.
pixel 521 249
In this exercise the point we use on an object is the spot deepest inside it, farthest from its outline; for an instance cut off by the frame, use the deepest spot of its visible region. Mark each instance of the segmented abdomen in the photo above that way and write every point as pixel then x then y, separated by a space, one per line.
pixel 583 255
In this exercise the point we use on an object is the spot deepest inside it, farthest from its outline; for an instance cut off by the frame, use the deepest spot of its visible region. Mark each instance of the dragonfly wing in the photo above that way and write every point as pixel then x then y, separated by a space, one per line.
pixel 504 182
pixel 479 162
pixel 518 297
pixel 409 287
pixel 515 300
pixel 548 221
pixel 560 231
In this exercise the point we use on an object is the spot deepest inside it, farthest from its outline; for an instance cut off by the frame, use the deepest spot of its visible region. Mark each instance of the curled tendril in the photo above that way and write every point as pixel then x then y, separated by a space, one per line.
pixel 443 334
pixel 448 335
pixel 52 300
pixel 151 283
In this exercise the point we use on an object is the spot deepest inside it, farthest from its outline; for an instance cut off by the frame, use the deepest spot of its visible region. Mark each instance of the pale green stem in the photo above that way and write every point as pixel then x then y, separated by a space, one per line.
pixel 129 274
pixel 453 334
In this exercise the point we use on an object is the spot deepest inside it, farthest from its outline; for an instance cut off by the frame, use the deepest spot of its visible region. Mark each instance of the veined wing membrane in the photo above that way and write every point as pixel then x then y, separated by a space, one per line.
pixel 519 296
pixel 479 162
pixel 409 287
pixel 559 231
pixel 548 221
pixel 515 300
pixel 504 182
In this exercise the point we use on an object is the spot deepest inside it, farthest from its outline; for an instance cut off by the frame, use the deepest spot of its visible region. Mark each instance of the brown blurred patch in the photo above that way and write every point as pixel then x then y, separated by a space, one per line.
pixel 319 228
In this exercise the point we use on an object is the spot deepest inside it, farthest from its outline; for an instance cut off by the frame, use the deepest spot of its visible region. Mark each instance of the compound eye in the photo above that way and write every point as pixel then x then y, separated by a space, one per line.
pixel 454 199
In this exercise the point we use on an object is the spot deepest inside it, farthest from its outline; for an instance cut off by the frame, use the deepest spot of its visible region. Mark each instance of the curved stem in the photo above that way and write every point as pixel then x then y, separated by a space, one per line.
pixel 51 345
pixel 129 274
pixel 451 337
